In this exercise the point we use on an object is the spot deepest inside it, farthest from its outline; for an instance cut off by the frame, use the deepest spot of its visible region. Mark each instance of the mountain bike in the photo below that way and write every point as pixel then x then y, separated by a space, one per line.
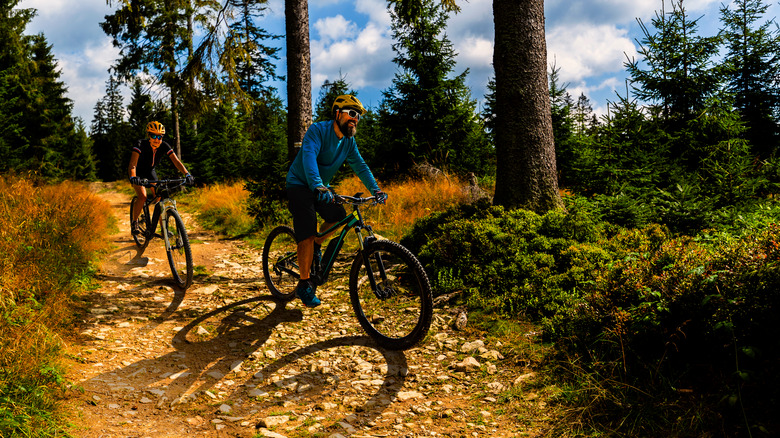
pixel 172 230
pixel 388 287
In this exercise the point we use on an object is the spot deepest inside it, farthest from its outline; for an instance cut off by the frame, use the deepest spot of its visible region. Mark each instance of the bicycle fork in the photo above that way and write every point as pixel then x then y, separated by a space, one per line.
pixel 159 213
pixel 380 292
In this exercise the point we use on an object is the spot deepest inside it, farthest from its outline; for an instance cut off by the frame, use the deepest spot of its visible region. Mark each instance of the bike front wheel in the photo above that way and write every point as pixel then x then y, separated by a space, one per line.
pixel 140 238
pixel 396 307
pixel 178 248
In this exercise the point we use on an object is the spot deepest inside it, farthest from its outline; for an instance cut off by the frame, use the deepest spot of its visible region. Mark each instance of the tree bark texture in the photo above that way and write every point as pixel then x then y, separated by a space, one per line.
pixel 299 106
pixel 526 170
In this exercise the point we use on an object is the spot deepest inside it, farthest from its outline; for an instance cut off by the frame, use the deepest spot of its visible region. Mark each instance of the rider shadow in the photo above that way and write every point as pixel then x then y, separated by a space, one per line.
pixel 221 342
pixel 238 326
pixel 125 263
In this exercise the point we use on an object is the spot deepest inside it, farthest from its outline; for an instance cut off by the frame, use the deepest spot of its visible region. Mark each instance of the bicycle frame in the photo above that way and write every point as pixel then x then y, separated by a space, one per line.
pixel 161 206
pixel 334 245
pixel 163 202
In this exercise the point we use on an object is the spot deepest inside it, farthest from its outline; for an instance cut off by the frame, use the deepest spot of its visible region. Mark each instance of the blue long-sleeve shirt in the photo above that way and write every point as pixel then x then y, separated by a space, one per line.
pixel 322 154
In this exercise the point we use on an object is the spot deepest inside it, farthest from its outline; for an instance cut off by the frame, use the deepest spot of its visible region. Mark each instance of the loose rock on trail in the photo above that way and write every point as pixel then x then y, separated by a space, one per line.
pixel 224 359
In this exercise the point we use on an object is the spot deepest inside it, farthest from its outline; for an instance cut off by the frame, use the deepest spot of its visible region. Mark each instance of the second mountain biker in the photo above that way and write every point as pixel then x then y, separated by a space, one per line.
pixel 144 156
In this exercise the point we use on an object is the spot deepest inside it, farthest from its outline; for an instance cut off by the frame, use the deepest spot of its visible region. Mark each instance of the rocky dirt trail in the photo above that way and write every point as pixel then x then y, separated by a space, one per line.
pixel 224 359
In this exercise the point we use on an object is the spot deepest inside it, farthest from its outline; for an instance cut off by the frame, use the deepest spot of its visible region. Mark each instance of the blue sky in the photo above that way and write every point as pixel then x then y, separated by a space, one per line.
pixel 588 39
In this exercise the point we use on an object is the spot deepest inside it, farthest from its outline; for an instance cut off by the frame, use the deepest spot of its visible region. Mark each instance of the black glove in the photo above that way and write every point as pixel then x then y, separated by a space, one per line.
pixel 189 179
pixel 134 180
pixel 324 195
pixel 381 197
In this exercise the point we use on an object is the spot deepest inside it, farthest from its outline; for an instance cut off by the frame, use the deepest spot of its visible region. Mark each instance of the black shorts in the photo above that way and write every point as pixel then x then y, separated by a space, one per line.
pixel 147 174
pixel 304 207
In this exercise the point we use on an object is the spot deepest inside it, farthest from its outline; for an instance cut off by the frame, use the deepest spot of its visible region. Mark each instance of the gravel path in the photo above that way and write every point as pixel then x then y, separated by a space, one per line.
pixel 226 360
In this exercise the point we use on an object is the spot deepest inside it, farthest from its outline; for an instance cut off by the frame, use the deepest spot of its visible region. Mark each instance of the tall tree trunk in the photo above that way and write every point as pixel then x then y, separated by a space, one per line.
pixel 175 111
pixel 299 106
pixel 525 173
pixel 190 54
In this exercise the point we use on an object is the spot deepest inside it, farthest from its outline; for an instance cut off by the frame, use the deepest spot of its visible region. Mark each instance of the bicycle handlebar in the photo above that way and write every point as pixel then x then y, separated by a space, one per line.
pixel 354 200
pixel 165 182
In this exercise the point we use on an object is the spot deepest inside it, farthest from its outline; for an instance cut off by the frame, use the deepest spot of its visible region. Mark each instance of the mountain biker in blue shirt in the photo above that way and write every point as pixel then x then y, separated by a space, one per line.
pixel 325 147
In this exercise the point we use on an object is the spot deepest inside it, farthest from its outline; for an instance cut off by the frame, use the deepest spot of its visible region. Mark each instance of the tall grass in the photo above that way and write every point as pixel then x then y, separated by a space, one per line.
pixel 408 201
pixel 48 237
pixel 223 208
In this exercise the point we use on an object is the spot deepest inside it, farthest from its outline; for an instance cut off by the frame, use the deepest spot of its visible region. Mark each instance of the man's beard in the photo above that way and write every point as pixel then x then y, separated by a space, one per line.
pixel 347 130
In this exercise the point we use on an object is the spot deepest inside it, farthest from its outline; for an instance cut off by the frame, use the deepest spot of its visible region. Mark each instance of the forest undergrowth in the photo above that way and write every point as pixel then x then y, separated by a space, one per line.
pixel 643 332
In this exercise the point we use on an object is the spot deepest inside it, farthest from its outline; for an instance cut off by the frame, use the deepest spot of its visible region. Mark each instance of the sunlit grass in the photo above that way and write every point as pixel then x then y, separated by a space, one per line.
pixel 408 201
pixel 223 208
pixel 49 234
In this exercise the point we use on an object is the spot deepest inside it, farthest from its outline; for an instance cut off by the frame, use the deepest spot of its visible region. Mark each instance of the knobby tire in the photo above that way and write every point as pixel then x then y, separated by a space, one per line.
pixel 401 317
pixel 177 245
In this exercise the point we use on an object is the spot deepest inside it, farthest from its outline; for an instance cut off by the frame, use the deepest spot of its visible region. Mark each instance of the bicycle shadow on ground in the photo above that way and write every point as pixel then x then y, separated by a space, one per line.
pixel 214 354
pixel 312 384
pixel 124 259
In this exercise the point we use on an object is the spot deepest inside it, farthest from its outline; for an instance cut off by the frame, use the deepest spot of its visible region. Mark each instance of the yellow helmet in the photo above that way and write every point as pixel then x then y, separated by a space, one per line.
pixel 348 101
pixel 155 128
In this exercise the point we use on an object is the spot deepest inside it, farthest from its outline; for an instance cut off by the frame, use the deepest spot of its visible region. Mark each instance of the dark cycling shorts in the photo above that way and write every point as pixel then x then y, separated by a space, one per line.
pixel 304 207
pixel 151 174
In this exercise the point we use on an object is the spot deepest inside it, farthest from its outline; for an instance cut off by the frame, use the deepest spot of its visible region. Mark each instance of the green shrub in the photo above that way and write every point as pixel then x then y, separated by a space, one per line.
pixel 647 315
pixel 512 262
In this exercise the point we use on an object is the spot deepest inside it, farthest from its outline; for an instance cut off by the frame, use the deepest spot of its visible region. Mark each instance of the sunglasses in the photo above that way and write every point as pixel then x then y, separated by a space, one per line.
pixel 352 113
pixel 155 137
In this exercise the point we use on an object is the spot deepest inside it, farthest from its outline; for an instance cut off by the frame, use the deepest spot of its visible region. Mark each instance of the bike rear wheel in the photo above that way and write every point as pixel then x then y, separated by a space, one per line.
pixel 140 238
pixel 280 262
pixel 397 313
pixel 178 248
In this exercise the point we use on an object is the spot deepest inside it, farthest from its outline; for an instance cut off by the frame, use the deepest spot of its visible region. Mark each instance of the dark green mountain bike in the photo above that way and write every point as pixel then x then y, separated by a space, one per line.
pixel 388 287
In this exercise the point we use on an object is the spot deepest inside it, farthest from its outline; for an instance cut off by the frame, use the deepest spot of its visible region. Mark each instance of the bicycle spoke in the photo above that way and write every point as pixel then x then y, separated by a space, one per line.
pixel 179 256
pixel 397 311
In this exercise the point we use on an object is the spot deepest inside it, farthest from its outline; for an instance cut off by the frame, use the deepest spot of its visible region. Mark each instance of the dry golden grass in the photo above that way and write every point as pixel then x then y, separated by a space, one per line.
pixel 408 201
pixel 49 234
pixel 223 208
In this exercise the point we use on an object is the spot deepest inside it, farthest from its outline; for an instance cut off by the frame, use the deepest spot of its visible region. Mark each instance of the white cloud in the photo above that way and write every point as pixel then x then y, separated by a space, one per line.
pixel 583 51
pixel 334 28
pixel 475 52
pixel 364 61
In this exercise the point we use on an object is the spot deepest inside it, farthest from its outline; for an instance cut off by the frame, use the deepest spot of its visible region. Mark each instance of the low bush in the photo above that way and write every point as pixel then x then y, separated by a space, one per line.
pixel 645 324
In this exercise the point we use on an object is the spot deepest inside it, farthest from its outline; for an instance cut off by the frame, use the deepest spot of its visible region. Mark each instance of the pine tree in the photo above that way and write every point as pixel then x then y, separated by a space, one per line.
pixel 563 124
pixel 680 76
pixel 111 135
pixel 80 162
pixel 222 149
pixel 752 68
pixel 429 116
pixel 584 118
pixel 141 109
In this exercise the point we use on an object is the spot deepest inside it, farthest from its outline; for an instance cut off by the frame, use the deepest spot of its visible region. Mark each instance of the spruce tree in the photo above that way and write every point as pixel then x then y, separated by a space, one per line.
pixel 111 135
pixel 680 76
pixel 563 125
pixel 752 69
pixel 429 116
